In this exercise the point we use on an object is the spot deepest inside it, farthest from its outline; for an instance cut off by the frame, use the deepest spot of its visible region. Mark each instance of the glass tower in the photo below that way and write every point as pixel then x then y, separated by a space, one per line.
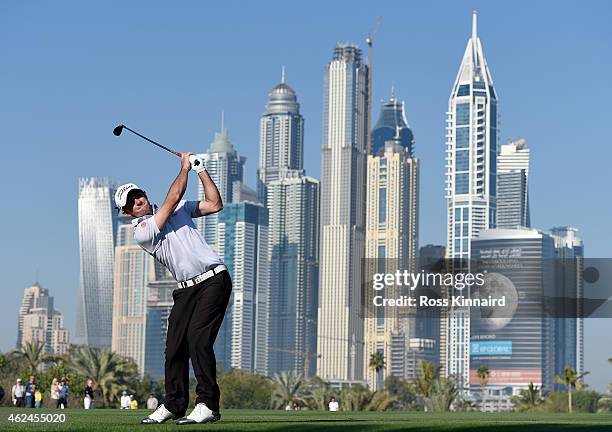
pixel 97 227
pixel 471 155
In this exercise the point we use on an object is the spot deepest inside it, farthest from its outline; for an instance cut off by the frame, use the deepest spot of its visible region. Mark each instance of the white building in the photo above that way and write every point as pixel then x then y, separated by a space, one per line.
pixel 513 185
pixel 391 244
pixel 97 227
pixel 343 162
pixel 471 147
pixel 134 269
pixel 39 321
pixel 281 138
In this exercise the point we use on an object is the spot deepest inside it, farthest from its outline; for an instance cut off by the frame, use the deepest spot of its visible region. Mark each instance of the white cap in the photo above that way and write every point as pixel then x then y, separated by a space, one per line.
pixel 122 193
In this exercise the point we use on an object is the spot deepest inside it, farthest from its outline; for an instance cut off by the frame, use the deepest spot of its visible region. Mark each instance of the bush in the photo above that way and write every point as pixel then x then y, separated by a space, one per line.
pixel 240 389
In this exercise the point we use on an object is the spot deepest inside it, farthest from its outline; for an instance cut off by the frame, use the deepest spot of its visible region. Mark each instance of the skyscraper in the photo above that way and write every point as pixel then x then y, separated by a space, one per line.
pixel 513 185
pixel 134 269
pixel 340 328
pixel 471 148
pixel 39 321
pixel 226 169
pixel 159 306
pixel 516 341
pixel 569 254
pixel 293 206
pixel 242 342
pixel 97 227
pixel 392 122
pixel 391 244
pixel 281 139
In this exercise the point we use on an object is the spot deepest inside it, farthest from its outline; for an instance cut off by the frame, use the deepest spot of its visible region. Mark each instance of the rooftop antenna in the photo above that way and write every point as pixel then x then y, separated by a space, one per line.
pixel 370 42
pixel 283 74
pixel 222 122
pixel 392 89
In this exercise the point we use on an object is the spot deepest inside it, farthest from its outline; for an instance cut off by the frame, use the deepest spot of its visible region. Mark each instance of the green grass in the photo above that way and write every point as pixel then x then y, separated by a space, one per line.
pixel 108 420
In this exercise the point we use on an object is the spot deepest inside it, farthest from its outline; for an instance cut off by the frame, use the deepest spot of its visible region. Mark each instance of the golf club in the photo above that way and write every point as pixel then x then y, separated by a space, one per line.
pixel 117 131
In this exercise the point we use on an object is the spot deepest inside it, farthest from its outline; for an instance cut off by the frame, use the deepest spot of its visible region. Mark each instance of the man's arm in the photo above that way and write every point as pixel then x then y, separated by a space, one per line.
pixel 212 202
pixel 176 192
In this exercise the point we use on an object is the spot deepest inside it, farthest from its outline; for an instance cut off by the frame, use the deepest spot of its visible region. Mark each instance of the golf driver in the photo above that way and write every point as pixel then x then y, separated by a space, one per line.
pixel 117 131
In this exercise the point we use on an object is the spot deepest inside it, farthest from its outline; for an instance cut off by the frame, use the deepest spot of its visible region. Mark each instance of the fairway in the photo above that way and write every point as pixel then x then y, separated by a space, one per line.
pixel 249 420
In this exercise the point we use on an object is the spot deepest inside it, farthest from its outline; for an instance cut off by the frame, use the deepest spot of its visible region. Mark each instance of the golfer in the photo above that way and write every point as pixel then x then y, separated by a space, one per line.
pixel 204 288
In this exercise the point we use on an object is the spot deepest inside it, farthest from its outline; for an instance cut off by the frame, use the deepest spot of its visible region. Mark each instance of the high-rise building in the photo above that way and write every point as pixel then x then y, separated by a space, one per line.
pixel 293 206
pixel 513 185
pixel 515 341
pixel 343 181
pixel 226 168
pixel 242 342
pixel 391 244
pixel 97 227
pixel 281 138
pixel 569 259
pixel 134 269
pixel 39 321
pixel 471 148
pixel 159 306
pixel 392 122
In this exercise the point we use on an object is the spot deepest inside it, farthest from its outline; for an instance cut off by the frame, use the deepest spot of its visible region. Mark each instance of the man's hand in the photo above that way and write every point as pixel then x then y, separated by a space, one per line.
pixel 197 164
pixel 186 161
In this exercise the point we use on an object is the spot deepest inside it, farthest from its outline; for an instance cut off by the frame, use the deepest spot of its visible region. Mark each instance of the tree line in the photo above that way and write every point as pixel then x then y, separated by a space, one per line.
pixel 429 391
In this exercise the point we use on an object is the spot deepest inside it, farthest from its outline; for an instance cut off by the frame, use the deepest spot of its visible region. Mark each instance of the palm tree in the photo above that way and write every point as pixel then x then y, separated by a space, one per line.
pixel 377 363
pixel 32 353
pixel 316 394
pixel 570 379
pixel 287 388
pixel 483 374
pixel 444 391
pixel 528 399
pixel 109 372
pixel 428 372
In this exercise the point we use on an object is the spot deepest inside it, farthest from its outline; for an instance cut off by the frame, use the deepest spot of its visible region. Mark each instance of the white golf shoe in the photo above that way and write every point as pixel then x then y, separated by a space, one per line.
pixel 160 415
pixel 200 414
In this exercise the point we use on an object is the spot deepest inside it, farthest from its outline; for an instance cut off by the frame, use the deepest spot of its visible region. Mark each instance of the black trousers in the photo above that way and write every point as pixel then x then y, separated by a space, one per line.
pixel 193 325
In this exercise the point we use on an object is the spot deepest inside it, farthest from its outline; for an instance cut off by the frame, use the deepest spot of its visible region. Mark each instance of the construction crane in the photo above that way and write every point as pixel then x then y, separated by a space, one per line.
pixel 306 356
pixel 370 42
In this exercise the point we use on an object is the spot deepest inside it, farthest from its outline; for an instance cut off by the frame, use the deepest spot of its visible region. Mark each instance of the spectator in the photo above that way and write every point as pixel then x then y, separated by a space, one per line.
pixel 89 395
pixel 63 394
pixel 55 393
pixel 333 404
pixel 29 392
pixel 125 400
pixel 152 402
pixel 295 406
pixel 289 407
pixel 37 398
pixel 133 402
pixel 17 394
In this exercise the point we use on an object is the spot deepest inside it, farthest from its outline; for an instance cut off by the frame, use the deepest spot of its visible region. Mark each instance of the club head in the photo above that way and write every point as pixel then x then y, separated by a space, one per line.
pixel 117 131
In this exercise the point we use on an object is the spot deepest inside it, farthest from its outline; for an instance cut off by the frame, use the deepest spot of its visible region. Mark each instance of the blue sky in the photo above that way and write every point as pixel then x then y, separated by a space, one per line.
pixel 70 71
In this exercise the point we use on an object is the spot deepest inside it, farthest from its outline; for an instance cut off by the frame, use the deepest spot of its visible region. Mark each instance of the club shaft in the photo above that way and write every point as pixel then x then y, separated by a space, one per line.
pixel 153 142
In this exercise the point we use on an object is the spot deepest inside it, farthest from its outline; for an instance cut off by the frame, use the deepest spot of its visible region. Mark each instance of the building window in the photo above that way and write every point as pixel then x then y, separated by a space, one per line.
pixel 463 114
pixel 462 137
pixel 461 183
pixel 464 90
pixel 382 205
pixel 462 160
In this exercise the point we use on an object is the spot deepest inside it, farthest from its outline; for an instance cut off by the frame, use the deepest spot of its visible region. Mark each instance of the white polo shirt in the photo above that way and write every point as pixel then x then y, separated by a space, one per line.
pixel 178 246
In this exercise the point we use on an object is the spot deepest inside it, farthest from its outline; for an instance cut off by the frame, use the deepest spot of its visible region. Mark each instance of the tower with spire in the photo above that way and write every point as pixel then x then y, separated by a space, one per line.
pixel 391 122
pixel 281 143
pixel 471 154
pixel 226 168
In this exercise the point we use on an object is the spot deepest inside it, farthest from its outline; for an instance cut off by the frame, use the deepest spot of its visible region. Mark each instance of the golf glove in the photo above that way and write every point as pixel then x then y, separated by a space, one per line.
pixel 197 164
